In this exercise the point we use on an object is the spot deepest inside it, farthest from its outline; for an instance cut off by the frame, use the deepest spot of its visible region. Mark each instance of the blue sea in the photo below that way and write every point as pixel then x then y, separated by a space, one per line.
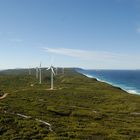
pixel 129 80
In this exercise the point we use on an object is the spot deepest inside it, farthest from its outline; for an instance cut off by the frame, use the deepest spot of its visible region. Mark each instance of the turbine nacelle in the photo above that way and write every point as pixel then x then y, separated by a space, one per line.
pixel 52 69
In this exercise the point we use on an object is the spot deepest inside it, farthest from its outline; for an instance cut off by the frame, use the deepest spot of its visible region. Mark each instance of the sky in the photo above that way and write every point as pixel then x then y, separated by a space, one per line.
pixel 91 34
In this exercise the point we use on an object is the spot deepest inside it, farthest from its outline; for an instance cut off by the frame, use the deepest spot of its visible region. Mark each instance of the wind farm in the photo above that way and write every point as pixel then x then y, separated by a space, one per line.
pixel 79 107
pixel 69 70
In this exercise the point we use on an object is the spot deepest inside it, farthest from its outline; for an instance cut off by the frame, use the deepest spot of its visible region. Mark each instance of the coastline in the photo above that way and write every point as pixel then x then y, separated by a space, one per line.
pixel 117 86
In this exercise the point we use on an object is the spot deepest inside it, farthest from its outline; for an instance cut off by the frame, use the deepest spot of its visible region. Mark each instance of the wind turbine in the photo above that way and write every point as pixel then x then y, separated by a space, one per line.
pixel 40 75
pixel 37 72
pixel 63 71
pixel 52 74
pixel 29 71
pixel 56 70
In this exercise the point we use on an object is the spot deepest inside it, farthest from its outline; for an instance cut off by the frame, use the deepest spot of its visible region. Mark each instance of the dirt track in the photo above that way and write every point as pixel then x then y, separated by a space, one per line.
pixel 4 96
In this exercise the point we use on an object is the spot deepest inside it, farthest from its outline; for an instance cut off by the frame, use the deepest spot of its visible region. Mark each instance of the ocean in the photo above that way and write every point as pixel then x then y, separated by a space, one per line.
pixel 129 80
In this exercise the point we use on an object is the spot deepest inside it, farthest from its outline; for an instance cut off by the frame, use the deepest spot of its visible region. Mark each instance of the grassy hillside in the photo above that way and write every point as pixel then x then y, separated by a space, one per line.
pixel 78 108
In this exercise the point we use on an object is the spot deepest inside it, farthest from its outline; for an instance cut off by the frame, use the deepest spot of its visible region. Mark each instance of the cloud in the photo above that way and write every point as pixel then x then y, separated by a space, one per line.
pixel 16 40
pixel 82 54
pixel 98 59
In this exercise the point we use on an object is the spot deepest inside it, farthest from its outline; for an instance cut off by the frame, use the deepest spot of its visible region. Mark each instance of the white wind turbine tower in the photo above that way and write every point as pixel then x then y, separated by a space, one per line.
pixel 52 74
pixel 40 75
pixel 63 71
pixel 56 70
pixel 29 71
pixel 37 72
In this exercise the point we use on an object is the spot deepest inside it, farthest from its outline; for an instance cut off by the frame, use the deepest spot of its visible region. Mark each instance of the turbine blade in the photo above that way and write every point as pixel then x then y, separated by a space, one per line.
pixel 48 68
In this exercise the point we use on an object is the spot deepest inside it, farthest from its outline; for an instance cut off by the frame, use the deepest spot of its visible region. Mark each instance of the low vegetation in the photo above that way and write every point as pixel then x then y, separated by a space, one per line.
pixel 78 108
